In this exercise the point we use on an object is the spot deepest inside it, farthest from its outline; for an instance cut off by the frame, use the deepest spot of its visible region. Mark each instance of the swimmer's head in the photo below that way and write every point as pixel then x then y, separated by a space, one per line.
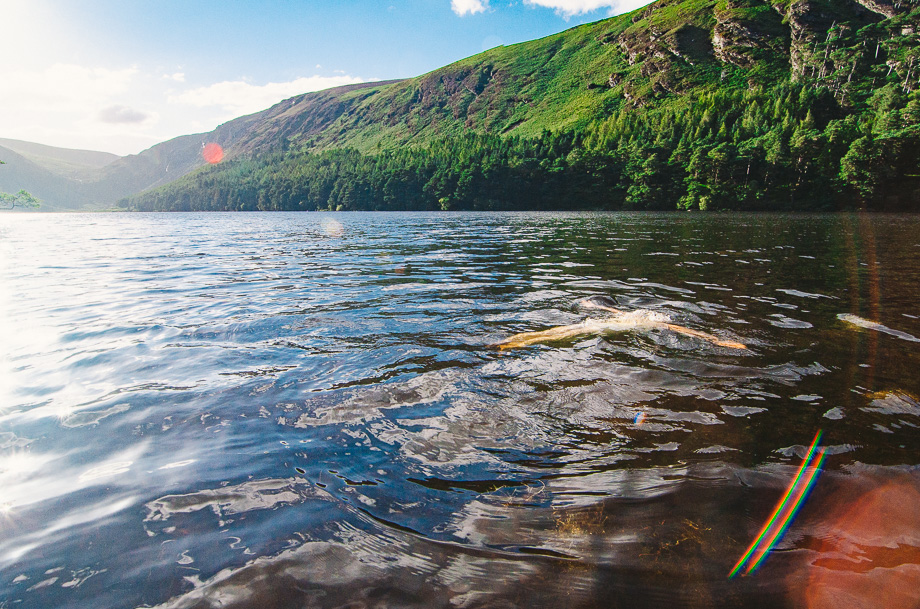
pixel 599 302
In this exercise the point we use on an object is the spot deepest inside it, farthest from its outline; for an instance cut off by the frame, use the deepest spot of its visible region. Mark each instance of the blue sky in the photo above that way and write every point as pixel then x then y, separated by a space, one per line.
pixel 122 75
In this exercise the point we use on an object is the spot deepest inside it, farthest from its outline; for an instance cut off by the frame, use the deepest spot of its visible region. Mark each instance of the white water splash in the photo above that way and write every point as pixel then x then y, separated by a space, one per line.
pixel 873 325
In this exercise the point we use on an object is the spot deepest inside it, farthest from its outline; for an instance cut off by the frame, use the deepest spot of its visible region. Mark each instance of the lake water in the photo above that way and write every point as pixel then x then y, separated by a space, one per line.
pixel 306 410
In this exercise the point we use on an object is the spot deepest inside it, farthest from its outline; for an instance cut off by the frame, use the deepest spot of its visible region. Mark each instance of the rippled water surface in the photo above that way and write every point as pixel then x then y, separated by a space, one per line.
pixel 298 410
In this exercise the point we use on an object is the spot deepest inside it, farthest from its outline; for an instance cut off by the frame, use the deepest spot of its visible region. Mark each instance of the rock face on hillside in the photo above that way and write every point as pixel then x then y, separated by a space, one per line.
pixel 810 24
pixel 798 38
pixel 742 35
pixel 672 46
pixel 885 7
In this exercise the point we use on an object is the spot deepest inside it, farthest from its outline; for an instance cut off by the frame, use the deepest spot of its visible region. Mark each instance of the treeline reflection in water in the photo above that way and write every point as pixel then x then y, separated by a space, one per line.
pixel 286 410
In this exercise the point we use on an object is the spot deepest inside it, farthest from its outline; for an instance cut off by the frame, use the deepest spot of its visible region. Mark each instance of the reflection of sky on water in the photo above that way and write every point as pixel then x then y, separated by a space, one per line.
pixel 260 409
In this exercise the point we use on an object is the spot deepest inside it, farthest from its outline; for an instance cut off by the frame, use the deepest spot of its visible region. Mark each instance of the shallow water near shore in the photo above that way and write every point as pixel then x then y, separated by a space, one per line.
pixel 303 410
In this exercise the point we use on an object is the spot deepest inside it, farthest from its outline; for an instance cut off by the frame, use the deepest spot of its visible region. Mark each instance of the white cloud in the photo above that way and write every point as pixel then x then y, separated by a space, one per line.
pixel 463 7
pixel 60 92
pixel 72 106
pixel 128 109
pixel 49 87
pixel 239 97
pixel 580 7
pixel 119 114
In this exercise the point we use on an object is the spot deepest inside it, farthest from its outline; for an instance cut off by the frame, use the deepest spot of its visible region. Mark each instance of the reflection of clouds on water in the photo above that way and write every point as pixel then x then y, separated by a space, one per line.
pixel 107 470
pixel 29 478
pixel 236 499
pixel 357 567
pixel 58 530
pixel 527 547
pixel 91 417
pixel 894 402
pixel 366 404
pixel 781 321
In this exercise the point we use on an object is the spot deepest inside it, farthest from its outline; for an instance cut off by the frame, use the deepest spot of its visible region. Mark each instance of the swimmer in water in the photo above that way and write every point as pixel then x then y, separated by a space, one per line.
pixel 640 319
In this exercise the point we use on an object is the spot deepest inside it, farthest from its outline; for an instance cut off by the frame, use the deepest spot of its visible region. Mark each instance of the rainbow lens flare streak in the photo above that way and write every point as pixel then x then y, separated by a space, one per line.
pixel 785 510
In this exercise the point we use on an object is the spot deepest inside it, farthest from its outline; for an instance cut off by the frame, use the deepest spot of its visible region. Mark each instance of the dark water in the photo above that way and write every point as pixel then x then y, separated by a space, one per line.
pixel 284 410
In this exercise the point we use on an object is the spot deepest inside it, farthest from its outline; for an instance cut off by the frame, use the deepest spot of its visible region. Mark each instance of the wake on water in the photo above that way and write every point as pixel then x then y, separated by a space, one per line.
pixel 860 322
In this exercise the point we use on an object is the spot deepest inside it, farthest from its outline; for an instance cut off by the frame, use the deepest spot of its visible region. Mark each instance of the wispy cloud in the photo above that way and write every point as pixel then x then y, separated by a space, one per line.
pixel 468 7
pixel 122 115
pixel 240 97
pixel 570 8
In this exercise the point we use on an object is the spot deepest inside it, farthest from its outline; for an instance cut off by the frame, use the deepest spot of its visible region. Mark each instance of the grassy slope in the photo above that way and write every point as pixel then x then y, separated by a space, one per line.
pixel 520 89
pixel 524 89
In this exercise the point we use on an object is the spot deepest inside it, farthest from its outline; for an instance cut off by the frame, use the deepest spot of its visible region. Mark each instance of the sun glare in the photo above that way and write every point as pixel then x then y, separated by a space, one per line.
pixel 332 227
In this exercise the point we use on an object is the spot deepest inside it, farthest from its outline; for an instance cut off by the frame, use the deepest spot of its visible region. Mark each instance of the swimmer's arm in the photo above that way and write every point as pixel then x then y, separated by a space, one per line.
pixel 713 339
pixel 525 339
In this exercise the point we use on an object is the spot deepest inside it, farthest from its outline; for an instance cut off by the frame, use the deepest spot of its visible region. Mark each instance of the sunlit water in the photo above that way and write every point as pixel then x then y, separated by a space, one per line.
pixel 298 410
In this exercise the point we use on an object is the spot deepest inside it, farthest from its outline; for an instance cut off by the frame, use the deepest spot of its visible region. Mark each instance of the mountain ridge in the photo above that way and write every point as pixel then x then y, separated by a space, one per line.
pixel 627 92
pixel 62 160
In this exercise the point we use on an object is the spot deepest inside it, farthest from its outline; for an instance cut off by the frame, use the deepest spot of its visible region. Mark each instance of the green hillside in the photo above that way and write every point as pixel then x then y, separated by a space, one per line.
pixel 733 104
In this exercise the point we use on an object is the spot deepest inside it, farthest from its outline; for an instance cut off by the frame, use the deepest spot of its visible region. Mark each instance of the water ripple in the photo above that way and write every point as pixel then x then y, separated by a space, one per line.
pixel 292 409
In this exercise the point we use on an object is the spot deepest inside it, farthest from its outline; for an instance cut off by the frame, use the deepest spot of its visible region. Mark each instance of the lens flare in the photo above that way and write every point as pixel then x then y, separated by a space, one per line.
pixel 212 153
pixel 785 510
pixel 868 554
pixel 333 228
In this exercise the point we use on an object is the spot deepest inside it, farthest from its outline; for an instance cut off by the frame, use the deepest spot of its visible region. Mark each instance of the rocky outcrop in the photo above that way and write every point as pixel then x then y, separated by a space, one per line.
pixel 691 43
pixel 807 22
pixel 801 37
pixel 814 26
pixel 884 7
pixel 736 40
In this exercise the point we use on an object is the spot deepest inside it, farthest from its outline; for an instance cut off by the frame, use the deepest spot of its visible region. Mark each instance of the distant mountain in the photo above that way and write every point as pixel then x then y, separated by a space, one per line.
pixel 66 179
pixel 62 161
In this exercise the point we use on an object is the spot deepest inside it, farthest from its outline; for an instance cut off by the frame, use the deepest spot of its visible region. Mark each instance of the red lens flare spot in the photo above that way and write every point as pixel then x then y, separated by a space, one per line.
pixel 867 554
pixel 212 153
